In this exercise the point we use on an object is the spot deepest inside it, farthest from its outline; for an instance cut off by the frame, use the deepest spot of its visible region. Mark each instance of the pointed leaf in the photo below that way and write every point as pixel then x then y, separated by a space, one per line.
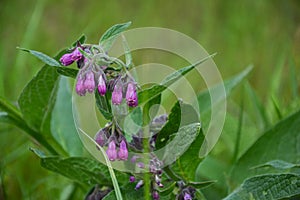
pixel 279 143
pixel 111 35
pixel 62 122
pixel 43 57
pixel 270 186
pixel 80 169
pixel 151 92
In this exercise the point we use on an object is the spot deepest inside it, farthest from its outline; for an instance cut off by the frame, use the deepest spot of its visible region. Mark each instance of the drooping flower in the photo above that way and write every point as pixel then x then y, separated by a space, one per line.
pixel 69 58
pixel 80 89
pixel 155 195
pixel 117 94
pixel 123 152
pixel 131 96
pixel 101 85
pixel 111 151
pixel 100 137
pixel 89 83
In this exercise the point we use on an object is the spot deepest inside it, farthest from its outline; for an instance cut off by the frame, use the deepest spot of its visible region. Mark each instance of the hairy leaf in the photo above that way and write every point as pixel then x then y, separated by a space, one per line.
pixel 268 187
pixel 111 35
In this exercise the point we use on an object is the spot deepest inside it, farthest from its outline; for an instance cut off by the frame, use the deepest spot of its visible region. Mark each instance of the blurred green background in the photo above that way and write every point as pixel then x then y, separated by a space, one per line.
pixel 263 33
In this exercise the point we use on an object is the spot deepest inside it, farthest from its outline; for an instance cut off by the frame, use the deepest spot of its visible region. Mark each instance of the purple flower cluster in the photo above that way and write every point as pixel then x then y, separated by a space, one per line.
pixel 155 169
pixel 116 143
pixel 91 76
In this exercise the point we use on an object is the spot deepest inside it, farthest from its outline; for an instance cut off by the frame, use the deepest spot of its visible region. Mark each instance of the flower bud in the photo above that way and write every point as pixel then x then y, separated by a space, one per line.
pixel 67 59
pixel 155 195
pixel 89 83
pixel 111 151
pixel 123 152
pixel 131 96
pixel 76 54
pixel 131 179
pixel 100 137
pixel 80 89
pixel 101 85
pixel 117 94
pixel 139 184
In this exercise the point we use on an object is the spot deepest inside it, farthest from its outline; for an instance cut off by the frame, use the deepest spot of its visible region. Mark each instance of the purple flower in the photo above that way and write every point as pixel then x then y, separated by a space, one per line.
pixel 187 196
pixel 101 85
pixel 100 137
pixel 131 179
pixel 131 96
pixel 80 89
pixel 69 58
pixel 155 195
pixel 76 54
pixel 89 83
pixel 139 184
pixel 123 152
pixel 111 151
pixel 117 94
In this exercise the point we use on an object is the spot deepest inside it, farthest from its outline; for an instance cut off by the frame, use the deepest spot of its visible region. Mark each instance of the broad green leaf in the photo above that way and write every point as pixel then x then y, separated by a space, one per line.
pixel 80 169
pixel 269 186
pixel 128 192
pixel 279 143
pixel 155 90
pixel 69 72
pixel 62 123
pixel 111 35
pixel 188 139
pixel 103 105
pixel 183 165
pixel 170 127
pixel 277 164
pixel 43 57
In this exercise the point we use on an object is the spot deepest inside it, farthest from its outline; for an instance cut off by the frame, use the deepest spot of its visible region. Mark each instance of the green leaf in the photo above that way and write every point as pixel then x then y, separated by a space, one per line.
pixel 69 72
pixel 279 143
pixel 80 169
pixel 188 139
pixel 128 192
pixel 43 57
pixel 155 90
pixel 269 186
pixel 103 105
pixel 170 127
pixel 62 123
pixel 277 164
pixel 111 35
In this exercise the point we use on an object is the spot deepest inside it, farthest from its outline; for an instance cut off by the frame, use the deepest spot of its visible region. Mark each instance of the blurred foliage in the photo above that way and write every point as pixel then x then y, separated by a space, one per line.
pixel 263 33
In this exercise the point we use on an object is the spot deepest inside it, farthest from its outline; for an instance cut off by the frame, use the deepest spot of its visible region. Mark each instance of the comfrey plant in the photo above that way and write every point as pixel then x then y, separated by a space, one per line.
pixel 109 79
